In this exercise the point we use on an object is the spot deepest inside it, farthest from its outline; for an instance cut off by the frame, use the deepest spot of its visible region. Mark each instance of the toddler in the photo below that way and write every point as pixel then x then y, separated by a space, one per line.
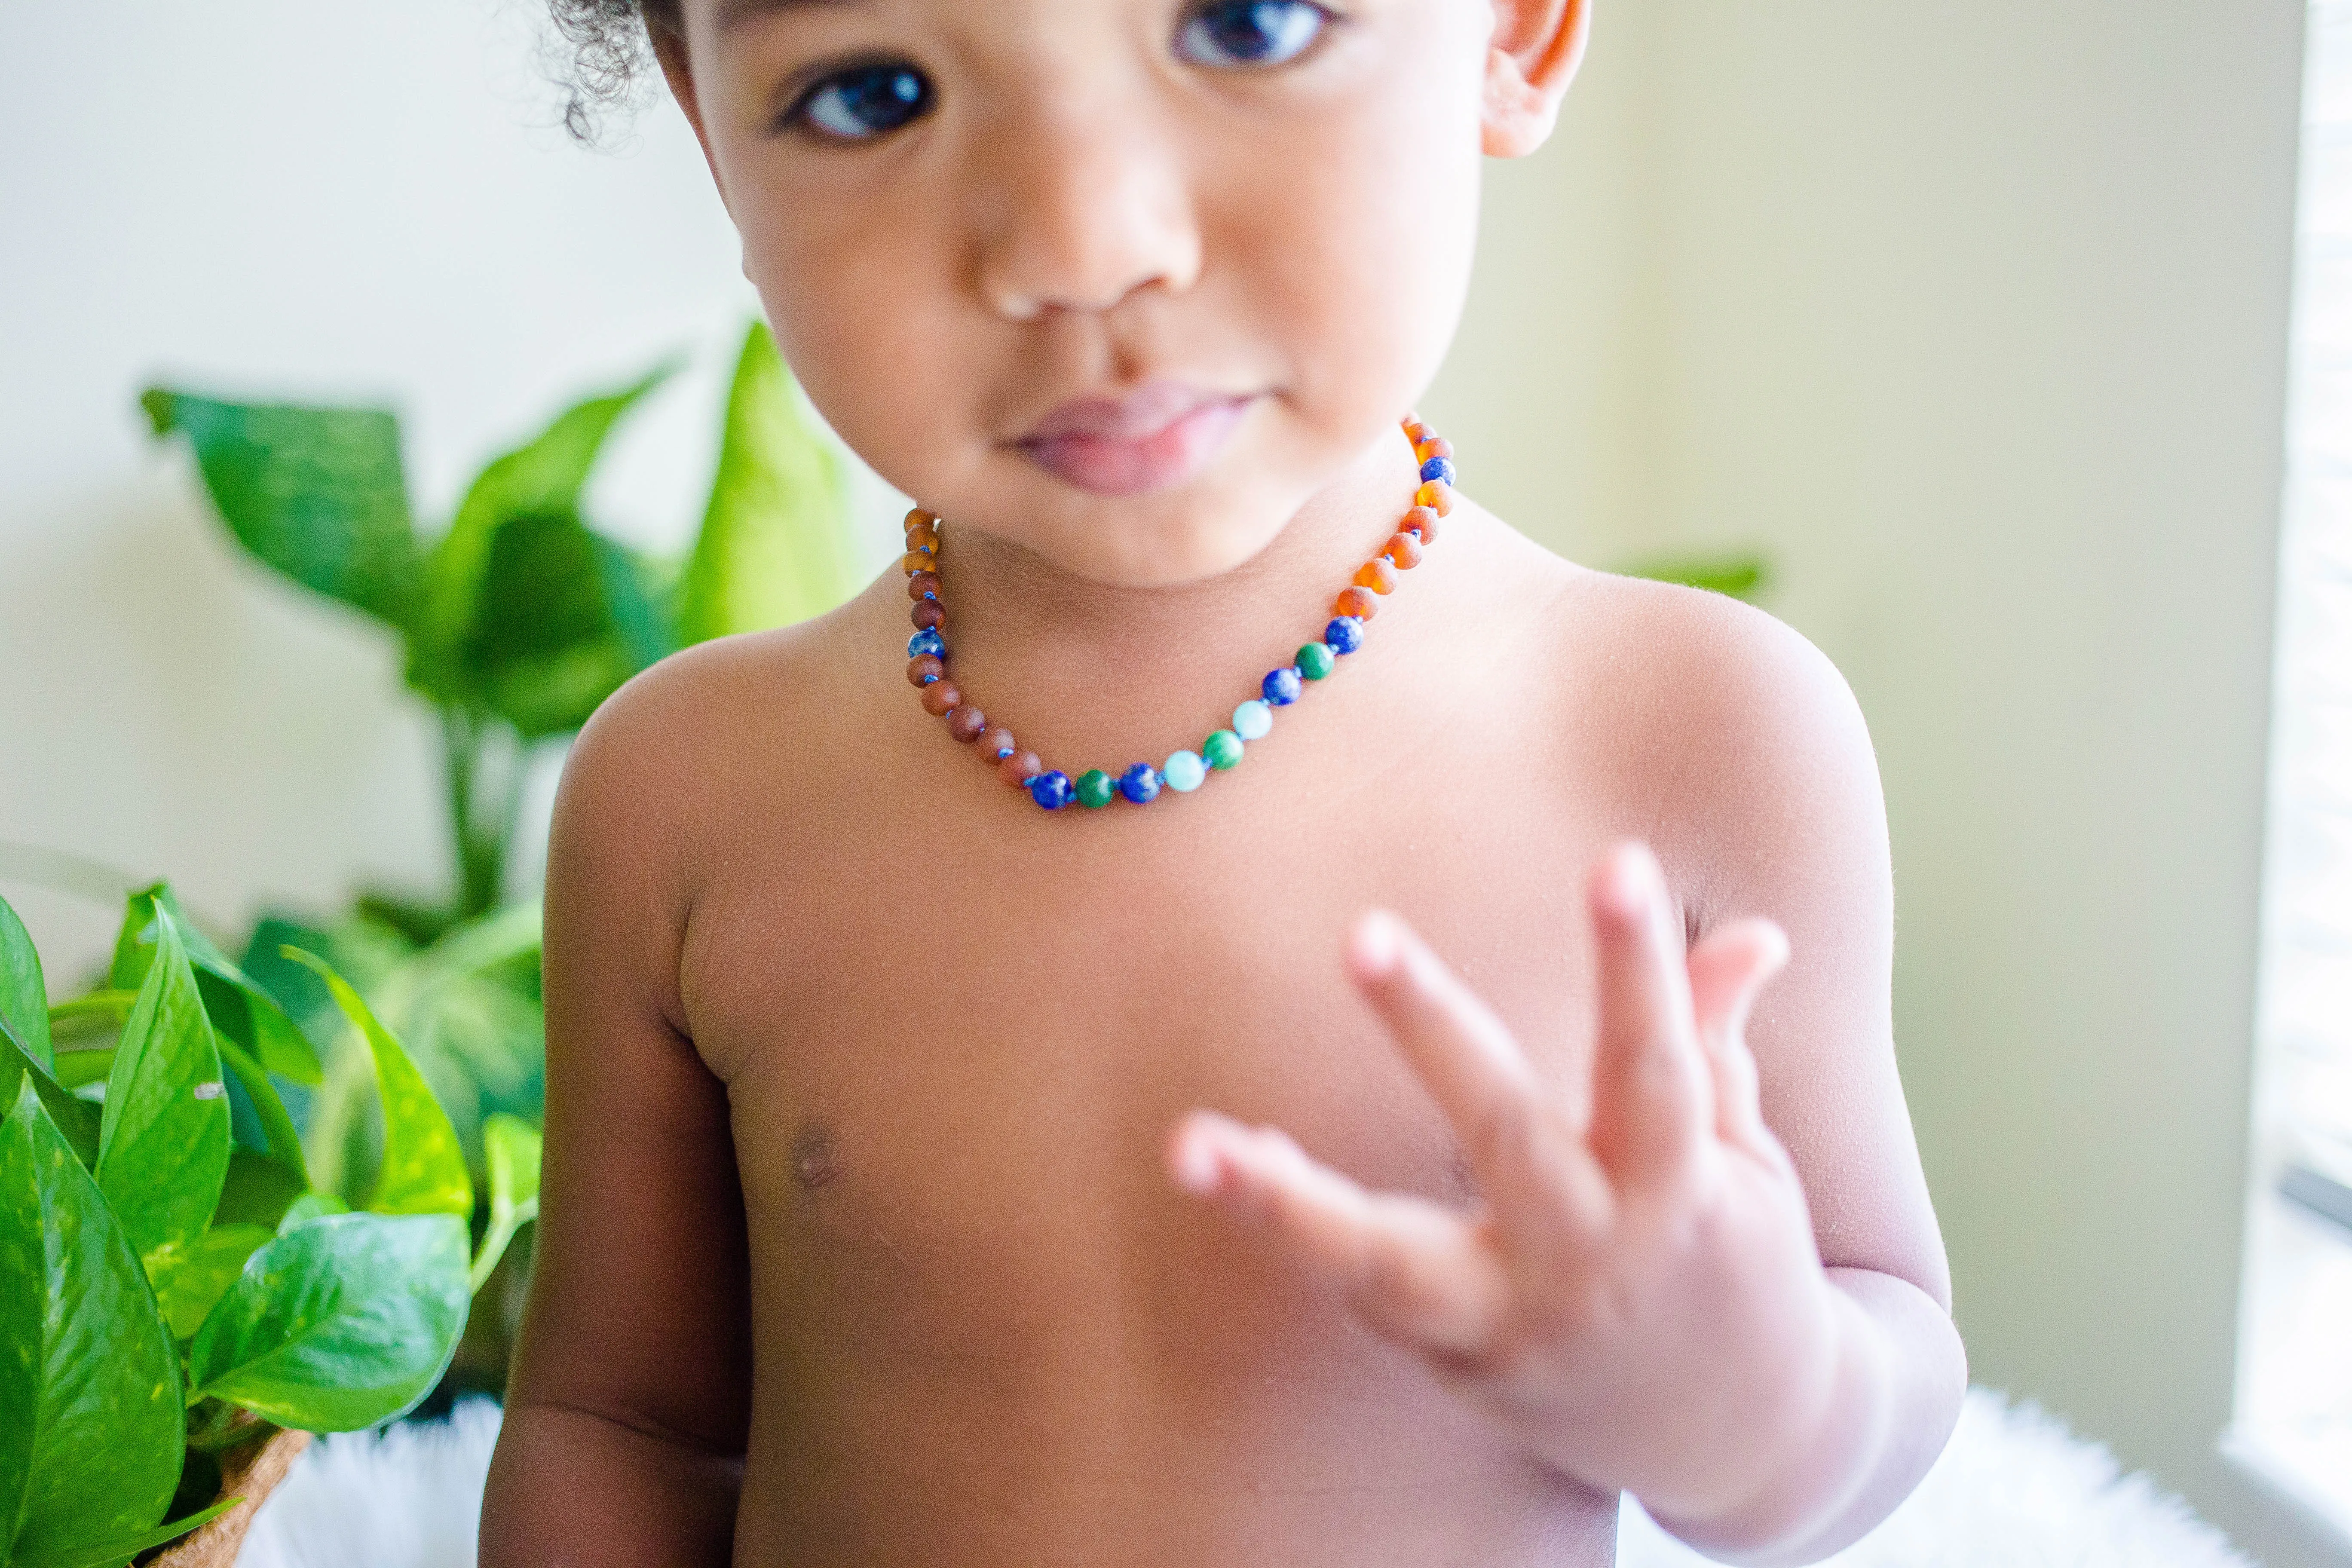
pixel 1006 1103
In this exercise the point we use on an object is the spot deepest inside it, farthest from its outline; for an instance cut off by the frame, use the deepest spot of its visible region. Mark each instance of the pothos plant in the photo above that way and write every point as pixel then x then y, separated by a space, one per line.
pixel 172 1284
pixel 517 618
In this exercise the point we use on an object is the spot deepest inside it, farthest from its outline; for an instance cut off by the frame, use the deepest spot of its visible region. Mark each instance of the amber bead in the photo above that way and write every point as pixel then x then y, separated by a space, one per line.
pixel 967 723
pixel 1433 447
pixel 1422 520
pixel 918 518
pixel 925 670
pixel 1404 552
pixel 914 560
pixel 1437 496
pixel 998 744
pixel 928 616
pixel 1020 768
pixel 940 697
pixel 1357 602
pixel 923 585
pixel 1417 432
pixel 924 539
pixel 1377 574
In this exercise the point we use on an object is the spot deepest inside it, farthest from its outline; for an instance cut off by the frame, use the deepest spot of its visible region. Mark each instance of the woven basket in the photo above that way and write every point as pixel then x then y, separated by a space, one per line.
pixel 252 1473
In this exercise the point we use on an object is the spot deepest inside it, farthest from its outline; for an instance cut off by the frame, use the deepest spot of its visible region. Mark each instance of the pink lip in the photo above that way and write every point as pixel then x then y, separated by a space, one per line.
pixel 1160 435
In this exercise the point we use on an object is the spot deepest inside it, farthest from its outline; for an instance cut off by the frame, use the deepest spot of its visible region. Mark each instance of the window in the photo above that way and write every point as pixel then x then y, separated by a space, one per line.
pixel 2294 1420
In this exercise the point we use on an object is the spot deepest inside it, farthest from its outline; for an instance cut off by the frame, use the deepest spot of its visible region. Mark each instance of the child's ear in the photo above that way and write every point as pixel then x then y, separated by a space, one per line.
pixel 1530 60
pixel 670 48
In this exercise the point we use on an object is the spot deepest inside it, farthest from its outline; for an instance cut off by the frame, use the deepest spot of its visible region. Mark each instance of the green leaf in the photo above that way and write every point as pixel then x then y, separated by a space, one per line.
pixel 339 1323
pixel 565 616
pixel 163 1144
pixel 76 1069
pixel 258 1191
pixel 243 1011
pixel 318 494
pixel 131 1546
pixel 1739 576
pixel 542 478
pixel 24 996
pixel 284 1144
pixel 76 1120
pixel 424 1168
pixel 310 1206
pixel 775 546
pixel 190 1276
pixel 91 1420
pixel 510 1147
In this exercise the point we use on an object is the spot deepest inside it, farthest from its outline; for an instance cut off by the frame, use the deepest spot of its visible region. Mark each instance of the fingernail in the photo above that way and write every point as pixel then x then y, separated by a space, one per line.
pixel 1378 946
pixel 1193 1164
pixel 1624 888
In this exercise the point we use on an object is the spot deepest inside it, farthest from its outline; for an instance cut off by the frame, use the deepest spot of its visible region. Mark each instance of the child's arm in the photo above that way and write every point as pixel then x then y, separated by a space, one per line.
pixel 625 1414
pixel 1646 1298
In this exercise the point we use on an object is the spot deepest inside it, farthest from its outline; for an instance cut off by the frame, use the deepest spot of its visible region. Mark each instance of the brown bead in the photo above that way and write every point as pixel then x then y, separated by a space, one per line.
pixel 928 616
pixel 1378 575
pixel 925 670
pixel 997 744
pixel 923 585
pixel 1422 520
pixel 1020 768
pixel 1357 602
pixel 967 723
pixel 918 518
pixel 1404 551
pixel 940 697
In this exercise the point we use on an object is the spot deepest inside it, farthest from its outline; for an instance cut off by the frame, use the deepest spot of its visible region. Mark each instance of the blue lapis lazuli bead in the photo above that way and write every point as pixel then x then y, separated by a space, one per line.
pixel 1344 635
pixel 1281 685
pixel 1440 470
pixel 927 641
pixel 1140 784
pixel 1051 790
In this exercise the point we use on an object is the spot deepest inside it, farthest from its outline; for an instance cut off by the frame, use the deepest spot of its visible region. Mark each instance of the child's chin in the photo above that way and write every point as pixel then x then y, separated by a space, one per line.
pixel 1160 556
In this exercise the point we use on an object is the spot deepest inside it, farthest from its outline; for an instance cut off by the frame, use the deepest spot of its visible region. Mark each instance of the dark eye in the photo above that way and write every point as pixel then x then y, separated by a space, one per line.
pixel 864 101
pixel 1231 33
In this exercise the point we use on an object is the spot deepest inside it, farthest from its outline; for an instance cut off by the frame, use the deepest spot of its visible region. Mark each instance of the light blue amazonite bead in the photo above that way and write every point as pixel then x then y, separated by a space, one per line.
pixel 1183 772
pixel 1253 719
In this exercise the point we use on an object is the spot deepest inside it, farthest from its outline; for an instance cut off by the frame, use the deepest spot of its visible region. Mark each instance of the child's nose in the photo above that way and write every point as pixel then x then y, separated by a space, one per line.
pixel 1078 210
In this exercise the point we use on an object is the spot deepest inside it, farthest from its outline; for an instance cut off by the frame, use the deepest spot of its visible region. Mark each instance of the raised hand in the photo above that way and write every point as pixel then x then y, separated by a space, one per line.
pixel 1638 1297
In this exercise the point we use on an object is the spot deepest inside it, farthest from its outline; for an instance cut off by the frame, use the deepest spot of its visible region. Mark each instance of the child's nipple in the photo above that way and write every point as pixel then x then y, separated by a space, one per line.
pixel 813 1162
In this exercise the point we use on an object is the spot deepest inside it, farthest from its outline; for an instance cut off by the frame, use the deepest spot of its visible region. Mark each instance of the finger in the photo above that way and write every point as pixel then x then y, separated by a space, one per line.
pixel 1726 972
pixel 1414 1270
pixel 1651 1090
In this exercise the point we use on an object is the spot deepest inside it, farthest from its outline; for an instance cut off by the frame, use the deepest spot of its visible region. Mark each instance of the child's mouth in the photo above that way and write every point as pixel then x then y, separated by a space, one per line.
pixel 1158 435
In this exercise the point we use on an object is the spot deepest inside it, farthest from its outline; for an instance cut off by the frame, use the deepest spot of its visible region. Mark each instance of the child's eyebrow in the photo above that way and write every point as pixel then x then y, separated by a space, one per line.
pixel 734 13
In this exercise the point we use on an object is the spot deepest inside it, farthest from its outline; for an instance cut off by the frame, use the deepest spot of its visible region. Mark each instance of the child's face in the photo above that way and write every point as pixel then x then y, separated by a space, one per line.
pixel 1123 281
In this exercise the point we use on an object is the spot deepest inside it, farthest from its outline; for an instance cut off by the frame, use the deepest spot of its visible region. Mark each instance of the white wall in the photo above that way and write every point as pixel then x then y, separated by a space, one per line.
pixel 1976 317
pixel 1973 316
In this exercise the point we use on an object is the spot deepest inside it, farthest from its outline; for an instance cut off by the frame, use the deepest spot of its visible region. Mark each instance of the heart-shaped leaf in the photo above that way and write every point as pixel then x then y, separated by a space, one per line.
pixel 310 1206
pixel 24 996
pixel 91 1423
pixel 775 547
pixel 423 1166
pixel 190 1276
pixel 258 1191
pixel 341 1322
pixel 243 1011
pixel 108 1552
pixel 318 494
pixel 76 1119
pixel 162 1148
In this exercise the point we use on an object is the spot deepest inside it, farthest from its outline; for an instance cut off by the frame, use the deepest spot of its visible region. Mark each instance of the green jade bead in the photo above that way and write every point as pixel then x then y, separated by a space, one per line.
pixel 1222 750
pixel 1096 787
pixel 1317 660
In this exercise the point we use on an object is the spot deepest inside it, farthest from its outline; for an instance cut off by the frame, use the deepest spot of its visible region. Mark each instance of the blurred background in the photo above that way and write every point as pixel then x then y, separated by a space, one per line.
pixel 1975 321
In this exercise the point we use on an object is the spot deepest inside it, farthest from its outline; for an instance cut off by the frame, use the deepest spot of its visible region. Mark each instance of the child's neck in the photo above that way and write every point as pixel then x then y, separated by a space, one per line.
pixel 1072 662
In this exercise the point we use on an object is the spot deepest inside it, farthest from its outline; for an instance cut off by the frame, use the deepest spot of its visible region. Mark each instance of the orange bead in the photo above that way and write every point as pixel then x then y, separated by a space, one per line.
pixel 928 544
pixel 1019 768
pixel 1377 574
pixel 1422 520
pixel 1404 551
pixel 1437 496
pixel 1434 447
pixel 918 518
pixel 940 696
pixel 916 561
pixel 1417 432
pixel 1357 602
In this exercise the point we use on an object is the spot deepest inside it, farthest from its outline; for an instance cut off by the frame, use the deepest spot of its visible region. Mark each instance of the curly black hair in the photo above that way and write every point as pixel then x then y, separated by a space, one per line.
pixel 610 56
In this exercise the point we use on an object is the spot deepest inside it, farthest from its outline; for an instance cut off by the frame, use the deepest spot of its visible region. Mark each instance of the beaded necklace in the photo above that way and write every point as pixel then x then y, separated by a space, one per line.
pixel 1183 772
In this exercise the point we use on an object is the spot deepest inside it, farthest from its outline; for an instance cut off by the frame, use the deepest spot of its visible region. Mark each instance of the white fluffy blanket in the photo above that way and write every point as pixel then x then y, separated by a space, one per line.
pixel 2015 1490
